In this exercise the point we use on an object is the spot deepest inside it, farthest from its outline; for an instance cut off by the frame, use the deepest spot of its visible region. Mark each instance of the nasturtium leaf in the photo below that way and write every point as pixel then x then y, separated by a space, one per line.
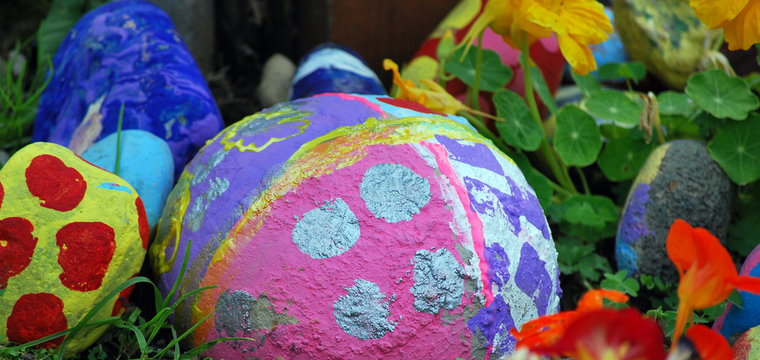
pixel 742 235
pixel 63 15
pixel 614 106
pixel 494 73
pixel 587 83
pixel 587 210
pixel 737 149
pixel 622 158
pixel 520 129
pixel 577 139
pixel 634 70
pixel 542 89
pixel 675 103
pixel 612 131
pixel 721 95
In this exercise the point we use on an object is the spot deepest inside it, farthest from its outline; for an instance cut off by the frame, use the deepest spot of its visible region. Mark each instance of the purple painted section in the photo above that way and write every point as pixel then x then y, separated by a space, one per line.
pixel 476 154
pixel 128 52
pixel 493 320
pixel 633 226
pixel 521 203
pixel 531 275
pixel 498 264
pixel 249 173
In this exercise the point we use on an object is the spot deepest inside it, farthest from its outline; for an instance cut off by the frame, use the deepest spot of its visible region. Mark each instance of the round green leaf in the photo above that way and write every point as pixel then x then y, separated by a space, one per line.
pixel 674 103
pixel 519 129
pixel 737 150
pixel 577 139
pixel 721 95
pixel 495 74
pixel 634 70
pixel 587 83
pixel 621 159
pixel 614 106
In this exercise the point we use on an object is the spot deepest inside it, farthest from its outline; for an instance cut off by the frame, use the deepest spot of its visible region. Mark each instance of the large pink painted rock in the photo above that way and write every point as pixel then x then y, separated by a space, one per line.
pixel 344 226
pixel 70 234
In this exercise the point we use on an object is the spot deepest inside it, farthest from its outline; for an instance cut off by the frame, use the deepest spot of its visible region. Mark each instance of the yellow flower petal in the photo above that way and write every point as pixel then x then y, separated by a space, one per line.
pixel 577 55
pixel 743 31
pixel 715 13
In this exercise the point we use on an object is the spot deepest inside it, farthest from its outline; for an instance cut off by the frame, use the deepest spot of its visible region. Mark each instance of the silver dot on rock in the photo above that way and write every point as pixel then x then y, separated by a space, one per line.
pixel 438 281
pixel 327 231
pixel 362 312
pixel 394 192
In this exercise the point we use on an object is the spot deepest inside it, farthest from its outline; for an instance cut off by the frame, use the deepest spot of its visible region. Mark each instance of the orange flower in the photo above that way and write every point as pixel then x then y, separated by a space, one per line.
pixel 606 334
pixel 708 275
pixel 710 345
pixel 737 18
pixel 434 97
pixel 577 24
pixel 547 329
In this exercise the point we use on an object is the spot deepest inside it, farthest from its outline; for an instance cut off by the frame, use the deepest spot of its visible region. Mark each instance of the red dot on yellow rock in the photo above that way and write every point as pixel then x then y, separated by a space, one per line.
pixel 142 221
pixel 35 316
pixel 16 247
pixel 58 186
pixel 86 252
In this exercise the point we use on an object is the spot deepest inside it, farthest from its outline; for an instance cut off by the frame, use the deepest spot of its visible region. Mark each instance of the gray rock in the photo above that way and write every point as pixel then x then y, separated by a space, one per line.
pixel 276 75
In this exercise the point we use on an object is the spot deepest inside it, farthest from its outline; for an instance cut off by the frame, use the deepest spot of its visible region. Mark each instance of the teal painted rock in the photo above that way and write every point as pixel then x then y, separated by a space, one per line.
pixel 678 180
pixel 146 163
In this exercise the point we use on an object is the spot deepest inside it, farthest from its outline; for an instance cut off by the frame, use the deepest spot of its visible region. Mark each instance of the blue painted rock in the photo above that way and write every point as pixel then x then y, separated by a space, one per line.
pixel 334 68
pixel 735 320
pixel 678 180
pixel 145 162
pixel 70 234
pixel 345 226
pixel 127 52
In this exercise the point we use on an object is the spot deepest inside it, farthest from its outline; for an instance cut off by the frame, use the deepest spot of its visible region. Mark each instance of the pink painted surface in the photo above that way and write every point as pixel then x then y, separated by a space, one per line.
pixel 307 288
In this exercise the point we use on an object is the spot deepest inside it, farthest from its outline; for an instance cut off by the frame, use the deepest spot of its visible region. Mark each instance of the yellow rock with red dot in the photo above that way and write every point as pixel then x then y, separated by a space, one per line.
pixel 70 234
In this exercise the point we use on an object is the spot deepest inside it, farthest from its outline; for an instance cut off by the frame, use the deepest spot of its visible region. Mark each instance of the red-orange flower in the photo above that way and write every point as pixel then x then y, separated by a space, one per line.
pixel 710 345
pixel 547 329
pixel 708 275
pixel 604 334
pixel 737 18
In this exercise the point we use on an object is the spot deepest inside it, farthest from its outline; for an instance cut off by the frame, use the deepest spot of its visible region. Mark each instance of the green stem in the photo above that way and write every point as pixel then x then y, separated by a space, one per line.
pixel 475 88
pixel 558 167
pixel 118 140
pixel 586 189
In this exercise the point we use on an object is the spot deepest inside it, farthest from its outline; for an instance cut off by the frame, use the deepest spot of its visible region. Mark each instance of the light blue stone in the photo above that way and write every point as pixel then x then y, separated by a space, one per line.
pixel 146 163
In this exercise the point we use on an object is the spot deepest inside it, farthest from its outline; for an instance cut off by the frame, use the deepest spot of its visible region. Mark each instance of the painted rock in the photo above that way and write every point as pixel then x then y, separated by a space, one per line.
pixel 678 180
pixel 127 53
pixel 276 76
pixel 345 226
pixel 424 64
pixel 744 347
pixel 71 234
pixel 735 320
pixel 666 36
pixel 334 68
pixel 145 162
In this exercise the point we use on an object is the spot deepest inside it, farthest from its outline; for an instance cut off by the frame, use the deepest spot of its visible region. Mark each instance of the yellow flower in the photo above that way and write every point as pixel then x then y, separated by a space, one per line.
pixel 434 97
pixel 577 24
pixel 737 18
